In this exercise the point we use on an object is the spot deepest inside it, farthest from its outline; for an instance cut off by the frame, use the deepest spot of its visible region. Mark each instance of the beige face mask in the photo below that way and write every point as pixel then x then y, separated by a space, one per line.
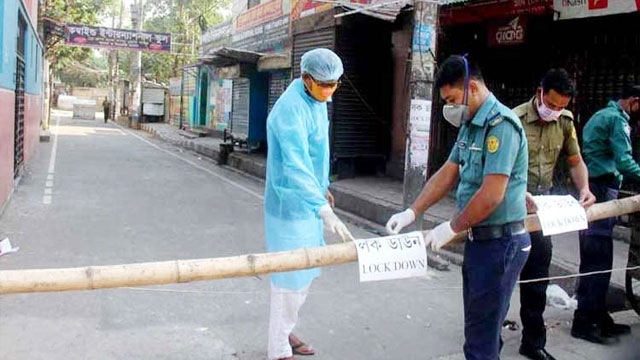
pixel 323 91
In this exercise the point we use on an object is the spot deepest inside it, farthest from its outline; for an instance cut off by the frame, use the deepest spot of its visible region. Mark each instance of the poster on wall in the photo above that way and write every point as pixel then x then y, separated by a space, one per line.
pixel 575 9
pixel 175 86
pixel 221 112
pixel 420 122
pixel 119 39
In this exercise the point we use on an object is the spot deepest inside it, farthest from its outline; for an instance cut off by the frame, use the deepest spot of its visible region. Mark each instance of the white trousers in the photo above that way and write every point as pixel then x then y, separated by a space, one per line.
pixel 283 317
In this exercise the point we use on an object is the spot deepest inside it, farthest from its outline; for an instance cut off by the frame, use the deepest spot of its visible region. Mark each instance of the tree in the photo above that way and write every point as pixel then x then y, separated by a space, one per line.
pixel 185 20
pixel 59 55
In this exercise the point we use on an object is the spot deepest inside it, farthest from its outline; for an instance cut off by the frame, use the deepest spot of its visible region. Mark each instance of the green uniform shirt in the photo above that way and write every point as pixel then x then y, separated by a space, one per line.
pixel 607 144
pixel 493 142
pixel 546 141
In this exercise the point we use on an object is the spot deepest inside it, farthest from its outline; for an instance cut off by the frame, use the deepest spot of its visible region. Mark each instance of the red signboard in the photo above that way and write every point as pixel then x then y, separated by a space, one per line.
pixel 259 14
pixel 511 32
pixel 302 8
pixel 478 11
pixel 598 4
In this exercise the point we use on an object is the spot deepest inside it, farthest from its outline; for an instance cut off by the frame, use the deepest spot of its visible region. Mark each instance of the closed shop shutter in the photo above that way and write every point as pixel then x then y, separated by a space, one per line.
pixel 323 38
pixel 278 82
pixel 240 109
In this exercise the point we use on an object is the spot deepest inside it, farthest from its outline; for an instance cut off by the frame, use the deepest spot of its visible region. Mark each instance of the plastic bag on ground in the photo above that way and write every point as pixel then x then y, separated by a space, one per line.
pixel 558 298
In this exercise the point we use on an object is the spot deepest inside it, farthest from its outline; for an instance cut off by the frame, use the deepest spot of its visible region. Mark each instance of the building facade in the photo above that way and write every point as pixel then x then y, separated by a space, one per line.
pixel 21 58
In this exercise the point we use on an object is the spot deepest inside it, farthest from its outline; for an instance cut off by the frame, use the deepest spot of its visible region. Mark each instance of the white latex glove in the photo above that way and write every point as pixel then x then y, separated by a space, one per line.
pixel 399 221
pixel 440 236
pixel 334 224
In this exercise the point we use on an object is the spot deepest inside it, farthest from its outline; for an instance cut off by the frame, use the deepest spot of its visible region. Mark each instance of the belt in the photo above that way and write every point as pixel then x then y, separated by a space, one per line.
pixel 608 180
pixel 482 233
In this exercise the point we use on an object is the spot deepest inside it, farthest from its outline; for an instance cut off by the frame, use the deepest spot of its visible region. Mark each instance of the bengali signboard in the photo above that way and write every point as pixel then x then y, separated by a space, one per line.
pixel 215 38
pixel 470 12
pixel 272 36
pixel 122 39
pixel 511 32
pixel 256 15
pixel 303 8
pixel 53 27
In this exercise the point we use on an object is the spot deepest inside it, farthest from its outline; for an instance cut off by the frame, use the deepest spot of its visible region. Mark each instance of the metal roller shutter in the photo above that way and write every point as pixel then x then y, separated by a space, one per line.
pixel 278 83
pixel 362 104
pixel 323 38
pixel 240 109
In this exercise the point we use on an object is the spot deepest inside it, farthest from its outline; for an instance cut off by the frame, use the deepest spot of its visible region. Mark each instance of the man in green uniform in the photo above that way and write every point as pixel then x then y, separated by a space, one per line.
pixel 607 152
pixel 490 160
pixel 106 107
pixel 550 133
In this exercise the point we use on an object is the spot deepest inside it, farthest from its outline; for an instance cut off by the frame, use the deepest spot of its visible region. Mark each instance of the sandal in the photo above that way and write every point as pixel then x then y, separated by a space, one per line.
pixel 300 348
pixel 303 349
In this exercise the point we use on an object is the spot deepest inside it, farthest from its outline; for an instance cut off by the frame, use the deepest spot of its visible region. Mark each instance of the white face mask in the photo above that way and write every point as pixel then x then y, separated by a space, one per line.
pixel 545 113
pixel 456 114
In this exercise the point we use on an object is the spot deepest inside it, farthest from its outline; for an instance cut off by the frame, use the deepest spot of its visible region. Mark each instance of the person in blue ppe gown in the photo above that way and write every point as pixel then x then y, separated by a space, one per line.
pixel 298 204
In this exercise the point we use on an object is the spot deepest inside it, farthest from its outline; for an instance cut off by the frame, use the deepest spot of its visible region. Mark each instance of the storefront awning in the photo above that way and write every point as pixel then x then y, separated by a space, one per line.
pixel 228 56
pixel 270 62
pixel 387 10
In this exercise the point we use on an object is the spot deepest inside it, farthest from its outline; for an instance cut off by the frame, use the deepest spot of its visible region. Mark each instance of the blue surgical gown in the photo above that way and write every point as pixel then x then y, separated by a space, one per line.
pixel 297 178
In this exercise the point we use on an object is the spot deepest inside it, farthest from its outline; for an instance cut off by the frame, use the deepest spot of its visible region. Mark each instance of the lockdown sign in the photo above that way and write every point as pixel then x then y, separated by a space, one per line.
pixel 574 9
pixel 511 32
pixel 392 257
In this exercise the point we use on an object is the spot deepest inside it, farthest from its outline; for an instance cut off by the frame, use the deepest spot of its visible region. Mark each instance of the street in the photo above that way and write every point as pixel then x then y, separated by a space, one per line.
pixel 110 195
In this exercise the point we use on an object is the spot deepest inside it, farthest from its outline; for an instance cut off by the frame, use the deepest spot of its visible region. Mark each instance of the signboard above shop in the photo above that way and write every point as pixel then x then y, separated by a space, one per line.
pixel 472 12
pixel 574 9
pixel 510 32
pixel 260 14
pixel 263 28
pixel 119 39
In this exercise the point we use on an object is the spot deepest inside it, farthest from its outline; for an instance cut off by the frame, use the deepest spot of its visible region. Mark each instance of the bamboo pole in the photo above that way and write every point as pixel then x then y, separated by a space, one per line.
pixel 180 271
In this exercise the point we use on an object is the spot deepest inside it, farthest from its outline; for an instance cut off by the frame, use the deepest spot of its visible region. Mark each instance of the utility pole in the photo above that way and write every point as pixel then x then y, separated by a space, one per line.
pixel 112 71
pixel 421 90
pixel 137 18
pixel 117 68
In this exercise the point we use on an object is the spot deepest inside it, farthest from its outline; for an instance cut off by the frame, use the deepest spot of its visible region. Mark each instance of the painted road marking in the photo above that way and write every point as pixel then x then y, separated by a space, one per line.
pixel 48 189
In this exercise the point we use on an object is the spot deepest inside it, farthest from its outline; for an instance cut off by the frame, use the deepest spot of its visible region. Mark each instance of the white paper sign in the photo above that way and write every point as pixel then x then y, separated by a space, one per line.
pixel 419 150
pixel 392 257
pixel 420 115
pixel 560 214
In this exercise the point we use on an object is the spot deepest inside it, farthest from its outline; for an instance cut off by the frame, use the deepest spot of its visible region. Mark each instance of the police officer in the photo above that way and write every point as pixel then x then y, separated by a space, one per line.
pixel 550 133
pixel 607 152
pixel 490 160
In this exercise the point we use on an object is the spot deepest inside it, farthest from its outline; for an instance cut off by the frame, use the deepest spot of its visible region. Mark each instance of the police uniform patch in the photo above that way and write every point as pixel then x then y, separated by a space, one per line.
pixel 493 144
pixel 573 133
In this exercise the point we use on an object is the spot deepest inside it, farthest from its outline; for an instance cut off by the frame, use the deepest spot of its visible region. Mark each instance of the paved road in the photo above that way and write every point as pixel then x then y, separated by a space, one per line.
pixel 118 196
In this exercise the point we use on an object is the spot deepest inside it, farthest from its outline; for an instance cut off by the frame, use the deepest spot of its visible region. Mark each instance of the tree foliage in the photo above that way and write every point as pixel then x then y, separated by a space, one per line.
pixel 185 20
pixel 62 57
